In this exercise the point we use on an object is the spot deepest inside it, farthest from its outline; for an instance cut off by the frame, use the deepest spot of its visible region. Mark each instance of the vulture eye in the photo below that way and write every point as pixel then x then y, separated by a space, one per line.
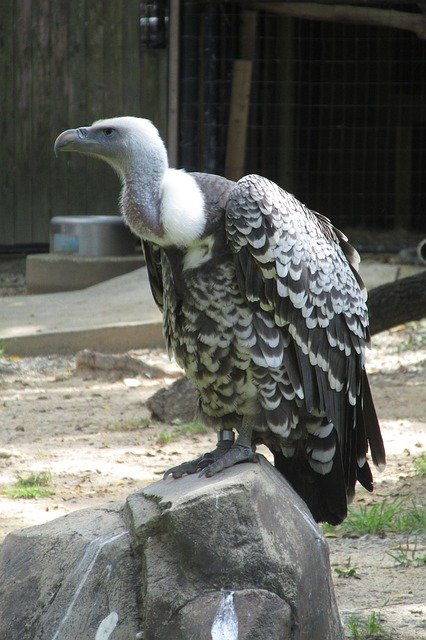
pixel 108 132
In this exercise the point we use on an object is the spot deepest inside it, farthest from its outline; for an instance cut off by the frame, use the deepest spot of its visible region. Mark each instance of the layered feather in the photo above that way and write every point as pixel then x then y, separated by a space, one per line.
pixel 267 314
pixel 299 274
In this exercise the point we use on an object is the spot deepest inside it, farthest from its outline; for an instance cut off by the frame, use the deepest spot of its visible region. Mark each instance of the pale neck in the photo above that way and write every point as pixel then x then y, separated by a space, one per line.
pixel 140 196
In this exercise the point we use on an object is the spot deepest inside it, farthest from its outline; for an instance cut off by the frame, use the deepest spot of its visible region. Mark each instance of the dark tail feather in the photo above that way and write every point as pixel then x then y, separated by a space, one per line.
pixel 372 427
pixel 325 495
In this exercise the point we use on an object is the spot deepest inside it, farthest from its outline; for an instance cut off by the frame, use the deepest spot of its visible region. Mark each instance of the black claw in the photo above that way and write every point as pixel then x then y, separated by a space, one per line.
pixel 198 464
pixel 236 454
pixel 209 460
pixel 181 469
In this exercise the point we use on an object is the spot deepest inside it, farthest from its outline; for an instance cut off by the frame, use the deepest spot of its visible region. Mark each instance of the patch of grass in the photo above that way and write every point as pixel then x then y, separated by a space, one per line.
pixel 34 485
pixel 416 338
pixel 407 559
pixel 42 453
pixel 329 530
pixel 367 628
pixel 2 348
pixel 379 518
pixel 351 572
pixel 130 425
pixel 165 436
pixel 192 429
pixel 347 571
pixel 420 464
pixel 384 517
pixel 406 555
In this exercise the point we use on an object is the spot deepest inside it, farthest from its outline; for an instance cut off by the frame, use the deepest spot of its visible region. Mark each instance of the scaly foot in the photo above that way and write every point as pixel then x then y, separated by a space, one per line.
pixel 226 439
pixel 235 454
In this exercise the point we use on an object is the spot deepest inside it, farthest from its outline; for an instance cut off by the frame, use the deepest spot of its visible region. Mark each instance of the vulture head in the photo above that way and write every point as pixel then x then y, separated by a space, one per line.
pixel 120 142
pixel 159 204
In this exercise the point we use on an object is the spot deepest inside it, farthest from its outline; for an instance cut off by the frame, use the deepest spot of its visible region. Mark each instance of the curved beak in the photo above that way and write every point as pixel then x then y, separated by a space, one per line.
pixel 71 140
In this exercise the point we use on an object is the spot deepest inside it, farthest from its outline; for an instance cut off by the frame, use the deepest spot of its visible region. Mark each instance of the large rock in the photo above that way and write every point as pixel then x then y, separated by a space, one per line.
pixel 233 557
pixel 69 579
pixel 177 402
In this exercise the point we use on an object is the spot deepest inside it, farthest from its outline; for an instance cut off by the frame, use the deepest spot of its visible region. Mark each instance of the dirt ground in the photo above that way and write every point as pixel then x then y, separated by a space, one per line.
pixel 93 432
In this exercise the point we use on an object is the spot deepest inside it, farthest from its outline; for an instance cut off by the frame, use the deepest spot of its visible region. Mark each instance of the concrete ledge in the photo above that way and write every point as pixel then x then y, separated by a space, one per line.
pixel 375 274
pixel 116 315
pixel 52 272
pixel 109 339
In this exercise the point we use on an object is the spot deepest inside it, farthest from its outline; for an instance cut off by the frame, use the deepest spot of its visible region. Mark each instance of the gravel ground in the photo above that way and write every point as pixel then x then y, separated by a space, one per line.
pixel 12 276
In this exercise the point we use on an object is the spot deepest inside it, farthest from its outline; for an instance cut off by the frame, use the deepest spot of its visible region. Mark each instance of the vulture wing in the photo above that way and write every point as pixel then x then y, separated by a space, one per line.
pixel 296 268
pixel 152 254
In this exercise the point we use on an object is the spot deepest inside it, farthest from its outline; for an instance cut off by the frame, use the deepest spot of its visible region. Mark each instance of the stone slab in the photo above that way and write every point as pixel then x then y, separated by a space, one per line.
pixel 116 315
pixel 52 272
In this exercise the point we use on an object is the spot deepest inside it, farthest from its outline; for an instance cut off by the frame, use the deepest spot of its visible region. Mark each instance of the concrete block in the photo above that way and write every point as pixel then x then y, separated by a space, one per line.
pixel 50 272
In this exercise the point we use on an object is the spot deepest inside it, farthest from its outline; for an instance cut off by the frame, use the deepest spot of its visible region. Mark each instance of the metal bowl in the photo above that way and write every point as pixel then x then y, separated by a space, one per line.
pixel 91 236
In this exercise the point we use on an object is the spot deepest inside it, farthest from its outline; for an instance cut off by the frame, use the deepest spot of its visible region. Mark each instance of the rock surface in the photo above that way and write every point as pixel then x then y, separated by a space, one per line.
pixel 233 557
pixel 177 402
pixel 66 579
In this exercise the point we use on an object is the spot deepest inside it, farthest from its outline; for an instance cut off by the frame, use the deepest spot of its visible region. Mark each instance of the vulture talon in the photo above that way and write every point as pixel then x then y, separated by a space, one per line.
pixel 236 454
pixel 187 468
pixel 204 461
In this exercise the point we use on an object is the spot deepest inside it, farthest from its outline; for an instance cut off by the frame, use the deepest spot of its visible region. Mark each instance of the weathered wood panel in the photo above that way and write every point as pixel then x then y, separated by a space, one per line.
pixel 131 58
pixel 7 145
pixel 113 57
pixel 76 178
pixel 59 92
pixel 64 64
pixel 22 115
pixel 40 154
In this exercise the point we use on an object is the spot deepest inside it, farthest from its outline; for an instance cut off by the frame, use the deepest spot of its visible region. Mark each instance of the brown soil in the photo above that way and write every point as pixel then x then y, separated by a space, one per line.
pixel 92 431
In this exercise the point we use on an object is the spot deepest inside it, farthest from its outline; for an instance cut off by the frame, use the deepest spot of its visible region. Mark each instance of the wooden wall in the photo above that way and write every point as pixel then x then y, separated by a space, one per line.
pixel 65 64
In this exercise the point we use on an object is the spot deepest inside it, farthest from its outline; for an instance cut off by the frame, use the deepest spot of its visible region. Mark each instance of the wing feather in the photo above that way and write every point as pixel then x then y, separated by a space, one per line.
pixel 152 254
pixel 299 271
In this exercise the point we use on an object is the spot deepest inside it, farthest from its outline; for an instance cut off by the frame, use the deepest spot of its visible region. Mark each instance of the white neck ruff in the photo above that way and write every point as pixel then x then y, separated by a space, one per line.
pixel 182 209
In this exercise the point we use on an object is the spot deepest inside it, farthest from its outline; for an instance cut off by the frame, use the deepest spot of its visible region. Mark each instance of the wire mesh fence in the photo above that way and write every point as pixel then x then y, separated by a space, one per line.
pixel 336 112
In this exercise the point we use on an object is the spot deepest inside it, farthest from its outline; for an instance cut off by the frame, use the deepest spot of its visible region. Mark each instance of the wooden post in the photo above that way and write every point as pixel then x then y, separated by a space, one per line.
pixel 240 99
pixel 173 97
pixel 238 119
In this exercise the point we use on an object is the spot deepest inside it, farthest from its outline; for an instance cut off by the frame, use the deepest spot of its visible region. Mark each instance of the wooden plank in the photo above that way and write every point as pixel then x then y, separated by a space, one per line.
pixel 7 116
pixel 131 59
pixel 153 99
pixel 58 116
pixel 113 13
pixel 99 201
pixel 94 60
pixel 238 119
pixel 23 119
pixel 113 58
pixel 77 105
pixel 41 106
pixel 173 82
pixel 240 98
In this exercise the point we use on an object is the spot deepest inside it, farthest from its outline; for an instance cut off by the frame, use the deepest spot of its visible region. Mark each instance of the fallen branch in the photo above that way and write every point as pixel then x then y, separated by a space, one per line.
pixel 397 302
